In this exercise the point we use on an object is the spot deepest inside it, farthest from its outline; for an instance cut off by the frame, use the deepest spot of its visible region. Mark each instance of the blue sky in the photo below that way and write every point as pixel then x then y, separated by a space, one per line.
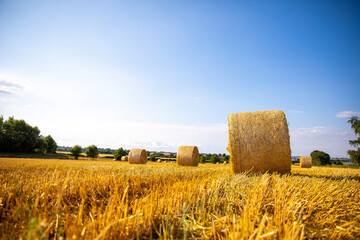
pixel 159 74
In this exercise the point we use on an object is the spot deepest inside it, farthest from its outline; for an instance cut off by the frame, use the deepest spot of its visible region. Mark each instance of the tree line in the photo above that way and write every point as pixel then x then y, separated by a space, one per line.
pixel 93 152
pixel 17 136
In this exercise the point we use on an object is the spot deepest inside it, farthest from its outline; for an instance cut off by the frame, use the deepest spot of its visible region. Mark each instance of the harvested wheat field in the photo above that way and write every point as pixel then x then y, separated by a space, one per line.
pixel 57 199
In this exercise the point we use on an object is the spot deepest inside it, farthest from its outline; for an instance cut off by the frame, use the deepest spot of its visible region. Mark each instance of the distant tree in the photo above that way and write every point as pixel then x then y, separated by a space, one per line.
pixel 355 154
pixel 49 144
pixel 2 133
pixel 152 158
pixel 214 159
pixel 202 159
pixel 76 151
pixel 227 158
pixel 18 136
pixel 119 153
pixel 320 158
pixel 338 162
pixel 92 151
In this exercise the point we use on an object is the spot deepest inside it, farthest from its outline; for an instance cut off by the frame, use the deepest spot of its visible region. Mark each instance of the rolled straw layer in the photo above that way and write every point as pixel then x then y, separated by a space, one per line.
pixel 305 161
pixel 187 156
pixel 259 142
pixel 137 156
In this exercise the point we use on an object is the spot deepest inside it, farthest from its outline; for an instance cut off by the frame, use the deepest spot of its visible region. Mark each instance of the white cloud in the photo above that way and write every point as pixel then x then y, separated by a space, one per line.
pixel 335 142
pixel 160 137
pixel 309 132
pixel 347 114
pixel 7 87
pixel 9 84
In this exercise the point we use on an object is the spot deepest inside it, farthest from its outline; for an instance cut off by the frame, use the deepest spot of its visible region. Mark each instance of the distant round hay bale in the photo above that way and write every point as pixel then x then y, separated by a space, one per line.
pixel 187 156
pixel 124 158
pixel 259 142
pixel 305 161
pixel 137 156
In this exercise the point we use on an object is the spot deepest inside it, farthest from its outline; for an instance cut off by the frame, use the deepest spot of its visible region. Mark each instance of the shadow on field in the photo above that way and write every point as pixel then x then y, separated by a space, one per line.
pixel 357 178
pixel 37 155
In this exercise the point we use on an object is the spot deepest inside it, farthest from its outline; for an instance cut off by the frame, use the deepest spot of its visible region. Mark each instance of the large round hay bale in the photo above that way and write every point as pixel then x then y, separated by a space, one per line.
pixel 187 156
pixel 259 142
pixel 124 158
pixel 137 156
pixel 305 161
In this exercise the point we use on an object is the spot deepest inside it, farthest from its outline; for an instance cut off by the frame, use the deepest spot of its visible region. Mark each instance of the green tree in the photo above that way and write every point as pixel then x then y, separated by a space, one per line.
pixel 355 154
pixel 2 134
pixel 49 144
pixel 320 158
pixel 18 136
pixel 202 159
pixel 76 151
pixel 119 153
pixel 92 151
pixel 152 158
pixel 227 159
pixel 214 159
pixel 338 162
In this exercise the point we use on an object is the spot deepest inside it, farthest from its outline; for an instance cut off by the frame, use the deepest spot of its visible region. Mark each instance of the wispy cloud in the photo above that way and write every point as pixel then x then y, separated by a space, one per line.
pixel 4 91
pixel 309 132
pixel 332 141
pixel 316 131
pixel 347 114
pixel 9 85
pixel 151 136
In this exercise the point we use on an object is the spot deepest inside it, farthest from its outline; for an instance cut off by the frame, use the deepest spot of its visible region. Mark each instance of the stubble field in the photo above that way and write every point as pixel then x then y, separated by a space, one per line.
pixel 57 199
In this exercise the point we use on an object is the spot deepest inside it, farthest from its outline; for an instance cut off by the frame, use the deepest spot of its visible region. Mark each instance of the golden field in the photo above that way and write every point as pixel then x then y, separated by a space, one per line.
pixel 68 199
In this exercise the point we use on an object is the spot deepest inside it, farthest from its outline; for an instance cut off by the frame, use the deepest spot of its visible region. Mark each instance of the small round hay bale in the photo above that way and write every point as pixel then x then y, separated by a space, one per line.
pixel 124 158
pixel 137 156
pixel 259 142
pixel 187 156
pixel 305 161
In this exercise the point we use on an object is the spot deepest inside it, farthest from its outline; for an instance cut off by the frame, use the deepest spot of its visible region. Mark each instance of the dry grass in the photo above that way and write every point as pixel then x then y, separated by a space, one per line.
pixel 54 199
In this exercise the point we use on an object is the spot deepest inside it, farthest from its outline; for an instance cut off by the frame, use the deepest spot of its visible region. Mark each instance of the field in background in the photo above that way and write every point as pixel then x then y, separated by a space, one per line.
pixel 114 200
